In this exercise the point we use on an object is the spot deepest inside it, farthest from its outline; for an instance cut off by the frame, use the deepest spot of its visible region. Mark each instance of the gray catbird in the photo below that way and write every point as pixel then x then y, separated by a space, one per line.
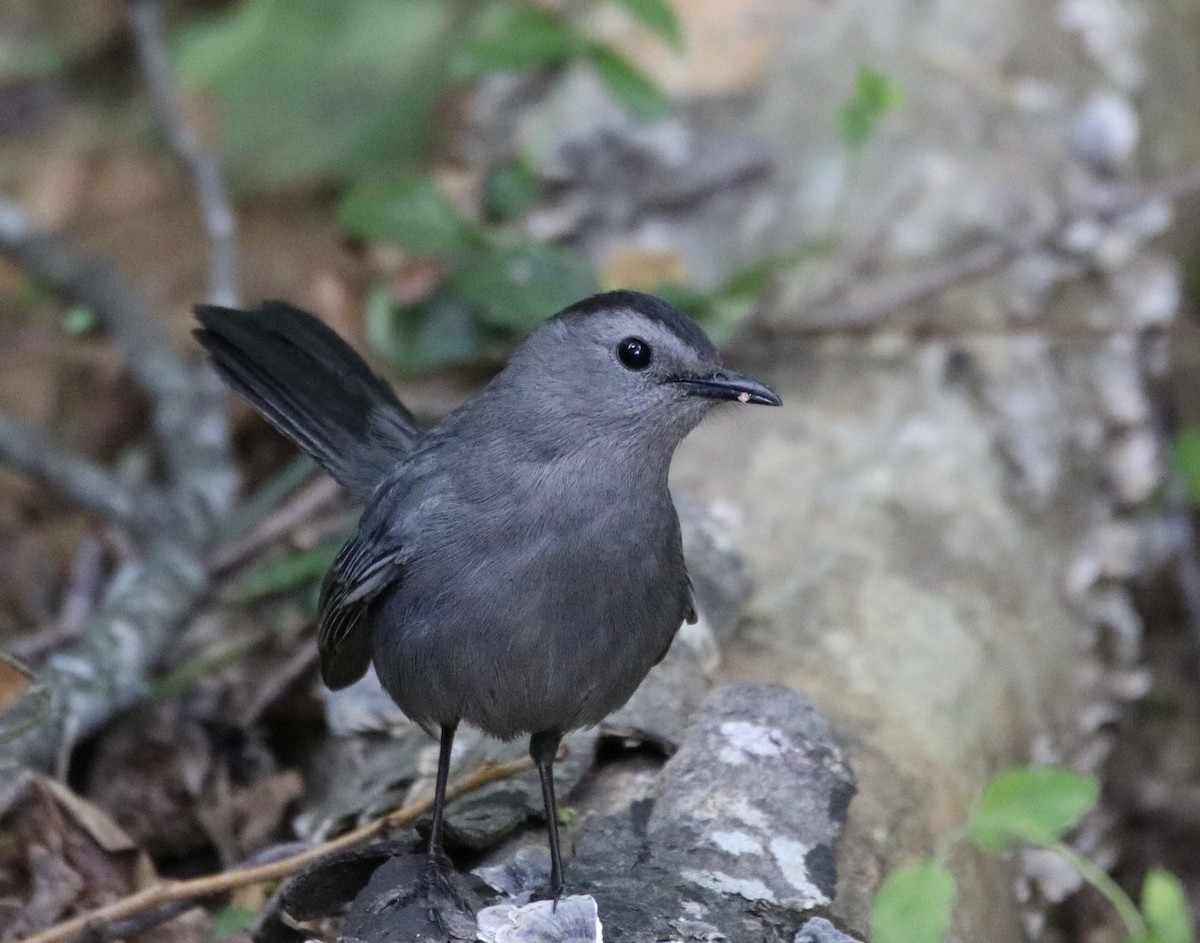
pixel 519 565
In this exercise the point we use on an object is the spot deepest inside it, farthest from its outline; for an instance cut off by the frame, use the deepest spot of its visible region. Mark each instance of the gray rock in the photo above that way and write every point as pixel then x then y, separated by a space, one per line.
pixel 759 793
pixel 716 564
pixel 574 920
pixel 820 930
pixel 393 909
pixel 519 876
pixel 739 839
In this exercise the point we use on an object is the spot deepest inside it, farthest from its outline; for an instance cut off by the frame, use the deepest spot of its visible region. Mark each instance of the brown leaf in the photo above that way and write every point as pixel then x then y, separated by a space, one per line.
pixel 12 685
pixel 91 818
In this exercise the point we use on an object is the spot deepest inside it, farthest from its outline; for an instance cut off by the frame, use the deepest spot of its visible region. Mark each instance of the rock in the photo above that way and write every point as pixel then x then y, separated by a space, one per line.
pixel 1105 132
pixel 392 908
pixel 738 837
pixel 574 920
pixel 758 794
pixel 820 930
pixel 716 564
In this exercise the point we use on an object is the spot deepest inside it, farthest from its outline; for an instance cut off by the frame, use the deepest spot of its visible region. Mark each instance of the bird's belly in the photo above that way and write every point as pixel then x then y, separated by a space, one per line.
pixel 523 644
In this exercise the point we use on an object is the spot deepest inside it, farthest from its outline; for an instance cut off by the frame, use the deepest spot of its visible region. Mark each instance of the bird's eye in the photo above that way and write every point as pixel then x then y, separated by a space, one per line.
pixel 635 353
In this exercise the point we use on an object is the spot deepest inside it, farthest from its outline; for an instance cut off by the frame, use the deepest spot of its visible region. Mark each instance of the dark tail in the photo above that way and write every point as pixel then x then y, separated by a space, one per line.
pixel 311 386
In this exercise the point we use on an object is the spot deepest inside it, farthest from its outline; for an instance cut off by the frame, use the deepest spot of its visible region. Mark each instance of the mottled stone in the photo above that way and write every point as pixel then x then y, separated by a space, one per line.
pixel 820 930
pixel 574 920
pixel 759 792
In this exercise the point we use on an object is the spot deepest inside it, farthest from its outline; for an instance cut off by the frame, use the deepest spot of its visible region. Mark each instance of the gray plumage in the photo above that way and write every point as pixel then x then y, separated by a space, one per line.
pixel 519 566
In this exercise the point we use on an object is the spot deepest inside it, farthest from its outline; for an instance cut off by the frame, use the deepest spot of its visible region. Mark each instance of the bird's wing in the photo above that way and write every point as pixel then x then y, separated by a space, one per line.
pixel 364 568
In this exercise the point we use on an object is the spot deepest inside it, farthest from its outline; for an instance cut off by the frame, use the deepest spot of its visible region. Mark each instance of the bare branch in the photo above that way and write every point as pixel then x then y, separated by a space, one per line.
pixel 854 307
pixel 166 892
pixel 87 570
pixel 291 515
pixel 91 487
pixel 189 418
pixel 220 224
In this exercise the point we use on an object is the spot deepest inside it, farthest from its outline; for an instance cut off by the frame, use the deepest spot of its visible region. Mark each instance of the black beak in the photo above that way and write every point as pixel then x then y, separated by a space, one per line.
pixel 725 384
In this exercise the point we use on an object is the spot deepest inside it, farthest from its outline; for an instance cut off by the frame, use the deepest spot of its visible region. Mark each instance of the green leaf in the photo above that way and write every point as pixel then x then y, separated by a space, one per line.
pixel 232 920
pixel 659 16
pixel 507 36
pixel 855 126
pixel 308 90
pixel 1187 459
pixel 626 84
pixel 1165 907
pixel 875 92
pixel 1034 804
pixel 913 905
pixel 509 190
pixel 518 288
pixel 409 212
pixel 438 333
pixel 874 96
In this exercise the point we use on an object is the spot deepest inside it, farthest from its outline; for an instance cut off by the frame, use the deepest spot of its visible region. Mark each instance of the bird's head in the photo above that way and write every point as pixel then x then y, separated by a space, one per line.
pixel 627 364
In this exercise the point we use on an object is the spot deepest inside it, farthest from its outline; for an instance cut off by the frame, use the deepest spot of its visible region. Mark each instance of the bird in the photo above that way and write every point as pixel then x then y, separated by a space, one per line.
pixel 519 565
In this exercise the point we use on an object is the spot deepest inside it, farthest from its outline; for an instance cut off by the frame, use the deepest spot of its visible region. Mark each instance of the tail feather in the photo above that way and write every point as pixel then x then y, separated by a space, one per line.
pixel 313 387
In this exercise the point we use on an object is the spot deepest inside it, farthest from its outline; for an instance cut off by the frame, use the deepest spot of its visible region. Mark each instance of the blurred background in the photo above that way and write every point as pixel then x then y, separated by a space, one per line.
pixel 962 239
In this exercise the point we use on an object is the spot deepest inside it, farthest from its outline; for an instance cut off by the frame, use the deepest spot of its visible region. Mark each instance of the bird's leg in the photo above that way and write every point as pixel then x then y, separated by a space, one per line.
pixel 543 747
pixel 435 888
pixel 439 792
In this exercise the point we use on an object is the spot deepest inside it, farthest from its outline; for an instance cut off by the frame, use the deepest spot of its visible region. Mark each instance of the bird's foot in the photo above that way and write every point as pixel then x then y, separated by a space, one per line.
pixel 437 891
pixel 551 892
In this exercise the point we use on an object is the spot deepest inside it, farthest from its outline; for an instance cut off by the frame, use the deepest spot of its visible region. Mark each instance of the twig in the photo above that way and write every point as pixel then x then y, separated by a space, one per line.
pixel 858 309
pixel 291 515
pixel 188 416
pixel 220 224
pixel 91 487
pixel 166 892
pixel 87 568
pixel 126 929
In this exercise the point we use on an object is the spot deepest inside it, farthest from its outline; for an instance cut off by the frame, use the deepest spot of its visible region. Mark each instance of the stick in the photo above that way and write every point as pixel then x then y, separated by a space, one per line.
pixel 91 487
pixel 220 224
pixel 165 892
pixel 189 418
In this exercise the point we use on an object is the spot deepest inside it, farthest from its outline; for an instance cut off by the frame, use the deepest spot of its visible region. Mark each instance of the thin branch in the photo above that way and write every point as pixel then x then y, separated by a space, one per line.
pixel 167 892
pixel 291 515
pixel 220 224
pixel 189 418
pixel 87 570
pixel 858 308
pixel 91 487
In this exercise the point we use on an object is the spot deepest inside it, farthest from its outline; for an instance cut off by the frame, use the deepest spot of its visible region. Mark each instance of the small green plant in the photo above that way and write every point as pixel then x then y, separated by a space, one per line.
pixel 874 96
pixel 1186 447
pixel 1034 806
